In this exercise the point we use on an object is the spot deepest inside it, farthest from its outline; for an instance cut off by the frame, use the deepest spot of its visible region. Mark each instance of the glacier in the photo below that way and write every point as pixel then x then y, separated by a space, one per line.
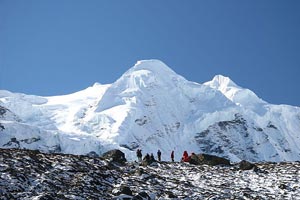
pixel 151 107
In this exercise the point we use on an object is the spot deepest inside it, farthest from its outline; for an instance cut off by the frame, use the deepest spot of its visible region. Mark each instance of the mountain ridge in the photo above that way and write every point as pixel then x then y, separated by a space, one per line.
pixel 151 107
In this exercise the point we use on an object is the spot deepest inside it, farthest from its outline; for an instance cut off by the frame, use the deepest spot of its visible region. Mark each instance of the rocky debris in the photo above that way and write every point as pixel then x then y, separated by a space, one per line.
pixel 26 174
pixel 115 156
pixel 200 159
pixel 245 165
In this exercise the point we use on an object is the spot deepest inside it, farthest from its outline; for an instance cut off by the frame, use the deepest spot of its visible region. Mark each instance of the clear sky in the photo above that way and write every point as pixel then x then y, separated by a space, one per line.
pixel 62 46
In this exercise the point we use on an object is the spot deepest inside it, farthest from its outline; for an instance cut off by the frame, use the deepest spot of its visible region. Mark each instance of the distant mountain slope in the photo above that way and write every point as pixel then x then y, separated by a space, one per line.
pixel 151 107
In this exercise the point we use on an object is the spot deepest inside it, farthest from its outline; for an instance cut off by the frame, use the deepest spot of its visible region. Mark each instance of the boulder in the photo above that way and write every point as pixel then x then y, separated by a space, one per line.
pixel 125 190
pixel 124 193
pixel 245 165
pixel 116 156
pixel 142 196
pixel 283 186
pixel 200 159
pixel 171 195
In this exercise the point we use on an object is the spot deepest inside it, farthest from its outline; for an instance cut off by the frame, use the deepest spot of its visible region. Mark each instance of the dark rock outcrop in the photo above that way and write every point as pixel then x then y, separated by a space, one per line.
pixel 3 110
pixel 125 190
pixel 7 114
pixel 200 159
pixel 1 127
pixel 245 165
pixel 115 156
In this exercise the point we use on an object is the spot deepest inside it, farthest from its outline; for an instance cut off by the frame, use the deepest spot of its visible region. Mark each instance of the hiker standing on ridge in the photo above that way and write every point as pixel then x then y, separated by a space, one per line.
pixel 159 155
pixel 139 155
pixel 185 157
pixel 152 157
pixel 172 156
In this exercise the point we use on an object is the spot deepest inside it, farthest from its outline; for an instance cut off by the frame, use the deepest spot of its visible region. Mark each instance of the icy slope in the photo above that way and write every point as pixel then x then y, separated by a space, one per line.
pixel 151 107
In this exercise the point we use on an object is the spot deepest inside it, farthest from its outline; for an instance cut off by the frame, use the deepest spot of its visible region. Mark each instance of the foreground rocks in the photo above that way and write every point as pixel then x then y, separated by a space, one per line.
pixel 205 159
pixel 245 165
pixel 115 156
pixel 28 174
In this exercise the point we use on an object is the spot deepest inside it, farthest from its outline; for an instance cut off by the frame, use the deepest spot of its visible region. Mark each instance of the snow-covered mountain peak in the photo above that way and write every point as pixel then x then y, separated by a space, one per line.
pixel 220 81
pixel 155 66
pixel 146 77
pixel 235 93
pixel 146 74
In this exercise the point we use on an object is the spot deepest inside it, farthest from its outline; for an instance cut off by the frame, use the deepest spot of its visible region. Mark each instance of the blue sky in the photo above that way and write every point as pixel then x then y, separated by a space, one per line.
pixel 62 46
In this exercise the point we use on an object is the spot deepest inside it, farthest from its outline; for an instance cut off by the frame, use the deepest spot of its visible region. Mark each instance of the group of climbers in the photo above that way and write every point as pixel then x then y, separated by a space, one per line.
pixel 147 156
pixel 185 156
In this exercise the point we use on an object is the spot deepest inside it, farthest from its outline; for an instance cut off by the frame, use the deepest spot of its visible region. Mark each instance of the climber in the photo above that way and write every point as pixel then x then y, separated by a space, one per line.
pixel 152 157
pixel 159 155
pixel 147 157
pixel 172 156
pixel 185 157
pixel 139 155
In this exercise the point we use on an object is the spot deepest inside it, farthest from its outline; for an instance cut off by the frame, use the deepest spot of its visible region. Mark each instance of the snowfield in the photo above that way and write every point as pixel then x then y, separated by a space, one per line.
pixel 151 107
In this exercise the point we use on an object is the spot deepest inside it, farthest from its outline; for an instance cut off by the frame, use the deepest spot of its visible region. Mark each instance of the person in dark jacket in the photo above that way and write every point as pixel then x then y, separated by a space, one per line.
pixel 159 155
pixel 139 155
pixel 147 157
pixel 172 156
pixel 152 157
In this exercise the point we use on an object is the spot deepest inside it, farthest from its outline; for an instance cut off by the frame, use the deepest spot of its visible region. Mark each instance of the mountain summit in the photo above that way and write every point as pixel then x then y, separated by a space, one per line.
pixel 235 93
pixel 151 107
pixel 220 81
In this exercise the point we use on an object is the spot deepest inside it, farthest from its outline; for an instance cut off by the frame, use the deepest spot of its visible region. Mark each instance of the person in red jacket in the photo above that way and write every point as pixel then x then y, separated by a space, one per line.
pixel 185 157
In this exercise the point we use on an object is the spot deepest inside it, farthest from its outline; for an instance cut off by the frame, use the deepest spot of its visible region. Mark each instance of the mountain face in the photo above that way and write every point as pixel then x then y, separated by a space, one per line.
pixel 151 107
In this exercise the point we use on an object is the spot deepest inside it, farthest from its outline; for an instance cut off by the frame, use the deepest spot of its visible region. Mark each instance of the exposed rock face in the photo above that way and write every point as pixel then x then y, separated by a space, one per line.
pixel 200 159
pixel 28 174
pixel 7 114
pixel 116 156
